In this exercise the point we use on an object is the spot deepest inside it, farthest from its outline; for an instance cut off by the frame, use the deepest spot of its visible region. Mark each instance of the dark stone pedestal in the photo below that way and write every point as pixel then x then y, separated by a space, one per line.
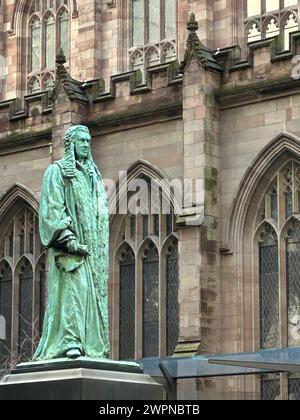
pixel 80 379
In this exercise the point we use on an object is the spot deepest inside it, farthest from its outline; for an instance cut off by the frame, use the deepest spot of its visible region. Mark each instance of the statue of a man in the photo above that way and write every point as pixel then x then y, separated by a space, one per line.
pixel 74 227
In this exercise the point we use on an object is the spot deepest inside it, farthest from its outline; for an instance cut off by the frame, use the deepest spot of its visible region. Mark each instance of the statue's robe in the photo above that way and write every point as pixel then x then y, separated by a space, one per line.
pixel 77 310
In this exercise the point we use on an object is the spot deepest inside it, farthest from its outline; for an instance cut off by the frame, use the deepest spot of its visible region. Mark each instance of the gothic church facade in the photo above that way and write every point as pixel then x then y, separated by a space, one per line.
pixel 201 90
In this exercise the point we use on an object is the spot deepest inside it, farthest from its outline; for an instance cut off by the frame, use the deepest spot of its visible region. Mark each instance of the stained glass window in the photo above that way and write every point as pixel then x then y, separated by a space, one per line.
pixel 172 299
pixel 25 312
pixel 127 305
pixel 269 290
pixel 150 302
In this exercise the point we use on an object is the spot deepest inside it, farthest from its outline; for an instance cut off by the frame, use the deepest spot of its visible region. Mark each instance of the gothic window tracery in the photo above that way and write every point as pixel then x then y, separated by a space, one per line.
pixel 278 241
pixel 153 33
pixel 269 18
pixel 48 31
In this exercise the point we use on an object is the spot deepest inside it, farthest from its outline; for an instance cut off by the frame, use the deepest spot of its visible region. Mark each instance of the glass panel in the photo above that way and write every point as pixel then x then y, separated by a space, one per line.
pixel 172 300
pixel 169 223
pixel 170 18
pixel 154 20
pixel 64 33
pixel 5 311
pixel 294 389
pixel 50 43
pixel 150 303
pixel 288 3
pixel 288 204
pixel 42 297
pixel 288 181
pixel 35 45
pixel 30 223
pixel 132 226
pixel 156 224
pixel 253 7
pixel 293 286
pixel 145 225
pixel 127 305
pixel 279 360
pixel 269 292
pixel 274 204
pixel 199 367
pixel 25 312
pixel 138 22
pixel 11 242
pixel 270 390
pixel 272 5
pixel 22 243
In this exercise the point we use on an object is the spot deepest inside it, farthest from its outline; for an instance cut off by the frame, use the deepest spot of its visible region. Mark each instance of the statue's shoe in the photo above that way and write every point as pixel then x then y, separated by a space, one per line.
pixel 73 353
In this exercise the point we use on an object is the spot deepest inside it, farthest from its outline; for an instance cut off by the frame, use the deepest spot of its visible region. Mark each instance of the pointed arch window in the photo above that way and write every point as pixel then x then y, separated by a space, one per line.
pixel 269 18
pixel 154 30
pixel 49 26
pixel 147 277
pixel 279 267
pixel 20 249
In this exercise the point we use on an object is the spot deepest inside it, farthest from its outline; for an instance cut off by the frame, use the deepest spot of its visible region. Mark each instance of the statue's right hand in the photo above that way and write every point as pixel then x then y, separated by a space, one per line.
pixel 74 247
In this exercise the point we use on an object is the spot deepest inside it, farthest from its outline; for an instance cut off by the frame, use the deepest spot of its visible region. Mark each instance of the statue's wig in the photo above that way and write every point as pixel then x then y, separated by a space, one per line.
pixel 69 146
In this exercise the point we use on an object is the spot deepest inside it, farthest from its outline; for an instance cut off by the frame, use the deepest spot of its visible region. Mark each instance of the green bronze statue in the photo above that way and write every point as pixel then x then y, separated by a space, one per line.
pixel 74 226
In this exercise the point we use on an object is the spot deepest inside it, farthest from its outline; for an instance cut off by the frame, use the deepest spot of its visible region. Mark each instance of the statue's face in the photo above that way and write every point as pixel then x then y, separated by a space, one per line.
pixel 82 145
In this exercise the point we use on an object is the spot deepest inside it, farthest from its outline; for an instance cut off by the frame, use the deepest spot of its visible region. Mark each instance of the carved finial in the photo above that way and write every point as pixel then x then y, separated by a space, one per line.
pixel 192 25
pixel 61 58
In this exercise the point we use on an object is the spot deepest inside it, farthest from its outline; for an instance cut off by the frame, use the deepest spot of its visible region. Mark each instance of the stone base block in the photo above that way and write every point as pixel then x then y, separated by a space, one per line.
pixel 81 379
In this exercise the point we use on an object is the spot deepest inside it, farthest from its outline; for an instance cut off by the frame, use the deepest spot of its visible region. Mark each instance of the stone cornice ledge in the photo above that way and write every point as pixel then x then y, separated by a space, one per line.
pixel 257 91
pixel 137 117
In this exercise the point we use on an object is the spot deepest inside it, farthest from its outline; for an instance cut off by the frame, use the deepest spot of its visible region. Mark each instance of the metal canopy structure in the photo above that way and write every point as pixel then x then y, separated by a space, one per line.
pixel 279 360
